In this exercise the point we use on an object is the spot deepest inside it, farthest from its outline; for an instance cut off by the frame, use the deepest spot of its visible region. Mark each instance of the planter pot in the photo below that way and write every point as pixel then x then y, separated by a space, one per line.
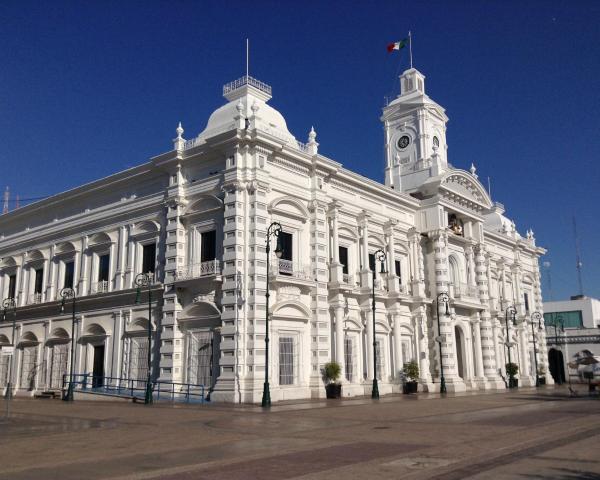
pixel 513 383
pixel 409 387
pixel 333 390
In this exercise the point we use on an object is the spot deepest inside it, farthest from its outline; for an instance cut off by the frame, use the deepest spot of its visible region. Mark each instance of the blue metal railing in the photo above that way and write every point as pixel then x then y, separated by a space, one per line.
pixel 131 387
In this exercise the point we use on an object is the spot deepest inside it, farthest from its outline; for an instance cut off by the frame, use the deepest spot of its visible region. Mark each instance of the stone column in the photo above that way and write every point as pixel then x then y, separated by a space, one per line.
pixel 393 282
pixel 421 337
pixel 83 278
pixel 479 371
pixel 446 331
pixel 397 345
pixel 339 339
pixel 365 273
pixel 472 279
pixel 524 369
pixel 486 331
pixel 51 276
pixel 369 321
pixel 336 268
pixel 120 274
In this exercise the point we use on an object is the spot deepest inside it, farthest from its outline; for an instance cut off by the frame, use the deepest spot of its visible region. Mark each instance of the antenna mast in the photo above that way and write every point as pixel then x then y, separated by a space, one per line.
pixel 5 203
pixel 579 264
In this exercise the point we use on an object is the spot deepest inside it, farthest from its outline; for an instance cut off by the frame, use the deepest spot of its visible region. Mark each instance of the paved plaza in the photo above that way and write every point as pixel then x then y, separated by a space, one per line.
pixel 528 434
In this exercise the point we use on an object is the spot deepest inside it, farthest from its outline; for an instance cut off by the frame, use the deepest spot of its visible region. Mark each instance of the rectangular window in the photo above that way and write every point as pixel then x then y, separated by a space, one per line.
pixel 12 285
pixel 372 262
pixel 526 298
pixel 343 253
pixel 286 361
pixel 349 358
pixel 149 258
pixel 39 279
pixel 572 319
pixel 398 271
pixel 208 246
pixel 380 359
pixel 69 272
pixel 103 264
pixel 286 242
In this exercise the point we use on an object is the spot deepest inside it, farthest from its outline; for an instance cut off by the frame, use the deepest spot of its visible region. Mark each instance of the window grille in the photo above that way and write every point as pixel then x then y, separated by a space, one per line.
pixel 138 367
pixel 203 358
pixel 286 361
pixel 349 358
pixel 380 360
pixel 28 368
pixel 58 367
pixel 3 369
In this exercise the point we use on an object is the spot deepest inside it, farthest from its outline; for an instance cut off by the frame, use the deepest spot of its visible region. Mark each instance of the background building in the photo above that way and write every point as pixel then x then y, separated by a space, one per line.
pixel 197 217
pixel 573 338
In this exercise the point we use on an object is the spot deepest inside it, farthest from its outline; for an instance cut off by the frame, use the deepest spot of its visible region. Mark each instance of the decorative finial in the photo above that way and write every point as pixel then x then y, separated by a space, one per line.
pixel 473 170
pixel 312 145
pixel 179 130
pixel 255 108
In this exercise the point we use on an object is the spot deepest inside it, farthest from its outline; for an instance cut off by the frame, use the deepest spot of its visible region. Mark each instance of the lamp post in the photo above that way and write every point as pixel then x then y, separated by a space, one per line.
pixel 145 280
pixel 444 298
pixel 513 312
pixel 536 317
pixel 274 229
pixel 66 294
pixel 9 304
pixel 558 320
pixel 381 257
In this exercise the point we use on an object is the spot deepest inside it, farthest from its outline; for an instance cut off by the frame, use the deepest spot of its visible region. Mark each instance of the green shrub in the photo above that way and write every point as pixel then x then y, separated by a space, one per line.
pixel 411 370
pixel 512 369
pixel 331 372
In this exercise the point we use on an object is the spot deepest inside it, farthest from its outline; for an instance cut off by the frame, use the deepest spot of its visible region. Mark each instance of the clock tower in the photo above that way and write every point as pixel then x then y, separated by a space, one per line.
pixel 415 135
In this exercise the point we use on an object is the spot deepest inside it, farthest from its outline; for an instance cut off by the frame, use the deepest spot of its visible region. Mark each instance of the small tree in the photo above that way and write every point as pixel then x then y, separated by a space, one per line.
pixel 331 372
pixel 411 371
pixel 512 369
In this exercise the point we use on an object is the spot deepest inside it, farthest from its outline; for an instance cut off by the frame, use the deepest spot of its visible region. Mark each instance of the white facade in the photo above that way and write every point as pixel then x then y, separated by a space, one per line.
pixel 206 206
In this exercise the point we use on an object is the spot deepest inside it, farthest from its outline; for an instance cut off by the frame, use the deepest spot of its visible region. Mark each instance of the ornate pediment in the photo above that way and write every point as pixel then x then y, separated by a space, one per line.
pixel 463 189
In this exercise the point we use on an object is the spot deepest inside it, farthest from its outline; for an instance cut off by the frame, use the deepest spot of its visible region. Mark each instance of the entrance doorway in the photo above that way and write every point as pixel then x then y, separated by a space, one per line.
pixel 460 354
pixel 98 368
pixel 557 365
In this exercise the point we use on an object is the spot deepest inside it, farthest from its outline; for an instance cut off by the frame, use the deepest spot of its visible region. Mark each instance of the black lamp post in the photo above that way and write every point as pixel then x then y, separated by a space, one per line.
pixel 558 320
pixel 9 304
pixel 66 294
pixel 443 297
pixel 513 312
pixel 274 229
pixel 536 317
pixel 145 280
pixel 379 256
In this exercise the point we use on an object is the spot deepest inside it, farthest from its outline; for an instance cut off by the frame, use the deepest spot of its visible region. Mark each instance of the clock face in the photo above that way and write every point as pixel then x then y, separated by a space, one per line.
pixel 403 141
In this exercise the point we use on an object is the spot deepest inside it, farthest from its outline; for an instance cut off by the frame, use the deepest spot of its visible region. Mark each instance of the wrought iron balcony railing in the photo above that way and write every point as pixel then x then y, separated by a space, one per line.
pixel 198 270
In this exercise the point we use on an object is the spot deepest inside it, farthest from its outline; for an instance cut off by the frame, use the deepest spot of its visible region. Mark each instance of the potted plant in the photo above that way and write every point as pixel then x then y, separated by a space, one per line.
pixel 331 374
pixel 411 375
pixel 541 375
pixel 511 370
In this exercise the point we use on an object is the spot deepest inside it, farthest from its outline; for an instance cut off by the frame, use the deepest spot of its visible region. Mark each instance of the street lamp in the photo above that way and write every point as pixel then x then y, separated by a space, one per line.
pixel 9 304
pixel 446 299
pixel 145 280
pixel 379 256
pixel 274 229
pixel 536 317
pixel 66 294
pixel 513 312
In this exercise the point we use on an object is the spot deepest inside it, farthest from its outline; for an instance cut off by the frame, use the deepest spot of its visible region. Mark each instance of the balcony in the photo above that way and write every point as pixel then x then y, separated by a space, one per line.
pixel 99 287
pixel 290 269
pixel 348 279
pixel 198 270
pixel 36 298
pixel 463 290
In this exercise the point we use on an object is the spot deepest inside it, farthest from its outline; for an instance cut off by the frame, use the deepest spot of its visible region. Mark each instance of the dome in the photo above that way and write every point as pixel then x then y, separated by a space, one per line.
pixel 497 222
pixel 247 96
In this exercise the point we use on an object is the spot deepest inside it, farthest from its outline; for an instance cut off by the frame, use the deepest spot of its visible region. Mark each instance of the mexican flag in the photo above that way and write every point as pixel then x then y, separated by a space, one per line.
pixel 397 45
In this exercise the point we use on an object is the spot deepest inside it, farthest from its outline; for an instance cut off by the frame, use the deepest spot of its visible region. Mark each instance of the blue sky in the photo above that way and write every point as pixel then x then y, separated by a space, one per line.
pixel 90 88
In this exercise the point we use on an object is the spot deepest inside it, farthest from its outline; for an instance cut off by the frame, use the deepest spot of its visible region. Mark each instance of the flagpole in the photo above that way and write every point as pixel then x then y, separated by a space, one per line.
pixel 247 56
pixel 410 47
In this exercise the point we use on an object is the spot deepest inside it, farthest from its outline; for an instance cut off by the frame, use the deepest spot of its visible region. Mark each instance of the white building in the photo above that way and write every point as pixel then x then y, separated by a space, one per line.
pixel 573 338
pixel 197 217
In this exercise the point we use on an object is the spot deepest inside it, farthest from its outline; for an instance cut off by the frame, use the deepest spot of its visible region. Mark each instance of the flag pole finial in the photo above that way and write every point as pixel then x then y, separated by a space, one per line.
pixel 410 48
pixel 247 56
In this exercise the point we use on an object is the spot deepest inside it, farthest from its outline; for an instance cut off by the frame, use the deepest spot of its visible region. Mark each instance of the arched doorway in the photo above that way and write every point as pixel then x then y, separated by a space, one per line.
pixel 58 345
pixel 460 353
pixel 557 365
pixel 28 345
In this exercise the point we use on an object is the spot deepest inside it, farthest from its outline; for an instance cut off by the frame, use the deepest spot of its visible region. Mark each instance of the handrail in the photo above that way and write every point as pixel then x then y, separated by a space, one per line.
pixel 133 387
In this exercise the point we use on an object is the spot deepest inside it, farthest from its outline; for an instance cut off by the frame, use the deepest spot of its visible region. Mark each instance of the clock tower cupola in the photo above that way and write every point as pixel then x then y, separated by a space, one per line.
pixel 415 135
